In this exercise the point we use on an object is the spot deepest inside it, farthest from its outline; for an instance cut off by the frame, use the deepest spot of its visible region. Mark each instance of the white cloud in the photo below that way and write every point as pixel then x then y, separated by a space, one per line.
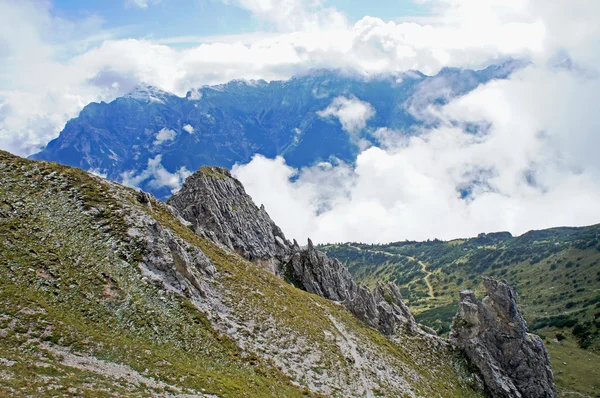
pixel 157 174
pixel 195 95
pixel 143 4
pixel 352 113
pixel 164 135
pixel 294 15
pixel 468 33
pixel 188 128
pixel 535 166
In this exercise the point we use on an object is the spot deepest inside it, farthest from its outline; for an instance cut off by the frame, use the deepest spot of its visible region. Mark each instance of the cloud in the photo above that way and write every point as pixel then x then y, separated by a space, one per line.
pixel 295 15
pixel 143 4
pixel 195 95
pixel 534 166
pixel 352 113
pixel 156 176
pixel 164 135
pixel 87 64
pixel 188 128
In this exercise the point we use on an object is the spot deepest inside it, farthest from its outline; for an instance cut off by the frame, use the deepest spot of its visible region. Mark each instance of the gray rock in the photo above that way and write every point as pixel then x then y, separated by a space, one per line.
pixel 217 206
pixel 216 203
pixel 493 335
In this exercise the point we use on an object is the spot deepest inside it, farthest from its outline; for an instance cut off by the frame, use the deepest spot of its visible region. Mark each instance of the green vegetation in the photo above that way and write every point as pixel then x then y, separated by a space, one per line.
pixel 556 273
pixel 576 370
pixel 63 284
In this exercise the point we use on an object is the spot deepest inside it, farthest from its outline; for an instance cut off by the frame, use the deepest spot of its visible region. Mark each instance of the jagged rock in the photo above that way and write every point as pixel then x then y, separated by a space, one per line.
pixel 311 270
pixel 494 337
pixel 217 206
pixel 392 306
pixel 216 203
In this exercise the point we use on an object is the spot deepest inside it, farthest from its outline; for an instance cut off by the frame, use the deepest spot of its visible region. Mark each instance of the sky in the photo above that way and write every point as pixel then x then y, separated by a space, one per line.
pixel 203 19
pixel 535 167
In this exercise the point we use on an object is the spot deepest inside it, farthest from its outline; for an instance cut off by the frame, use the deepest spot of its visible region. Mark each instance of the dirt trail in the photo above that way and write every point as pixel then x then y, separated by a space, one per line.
pixel 426 279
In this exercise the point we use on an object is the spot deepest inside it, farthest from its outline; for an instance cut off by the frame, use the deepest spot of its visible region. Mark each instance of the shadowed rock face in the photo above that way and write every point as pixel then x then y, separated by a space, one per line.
pixel 217 206
pixel 494 337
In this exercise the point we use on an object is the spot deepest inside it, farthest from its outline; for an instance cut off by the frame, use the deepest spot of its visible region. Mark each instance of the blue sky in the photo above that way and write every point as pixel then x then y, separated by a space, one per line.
pixel 175 18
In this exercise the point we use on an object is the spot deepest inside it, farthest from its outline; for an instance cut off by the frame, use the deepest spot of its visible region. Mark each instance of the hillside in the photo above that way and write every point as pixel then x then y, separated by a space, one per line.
pixel 556 273
pixel 105 291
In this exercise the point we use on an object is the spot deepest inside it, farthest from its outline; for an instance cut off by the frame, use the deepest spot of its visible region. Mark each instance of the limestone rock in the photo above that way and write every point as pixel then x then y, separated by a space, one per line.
pixel 494 337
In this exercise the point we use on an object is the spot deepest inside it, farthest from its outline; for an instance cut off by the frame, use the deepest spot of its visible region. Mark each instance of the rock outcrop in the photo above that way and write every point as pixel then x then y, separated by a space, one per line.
pixel 311 270
pixel 217 206
pixel 494 337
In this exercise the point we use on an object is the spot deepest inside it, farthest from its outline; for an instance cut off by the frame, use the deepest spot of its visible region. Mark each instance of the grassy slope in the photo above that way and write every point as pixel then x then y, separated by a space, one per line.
pixel 556 273
pixel 63 283
pixel 69 285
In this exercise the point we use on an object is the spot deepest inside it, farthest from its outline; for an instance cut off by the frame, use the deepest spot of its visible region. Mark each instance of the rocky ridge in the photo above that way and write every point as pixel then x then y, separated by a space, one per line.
pixel 493 335
pixel 216 205
pixel 138 304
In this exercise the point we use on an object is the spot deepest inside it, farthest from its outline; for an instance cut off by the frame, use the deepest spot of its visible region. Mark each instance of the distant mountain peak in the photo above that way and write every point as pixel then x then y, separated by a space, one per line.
pixel 149 94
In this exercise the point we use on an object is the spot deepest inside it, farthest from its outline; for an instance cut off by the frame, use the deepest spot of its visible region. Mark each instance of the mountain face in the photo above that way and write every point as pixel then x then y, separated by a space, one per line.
pixel 152 139
pixel 107 291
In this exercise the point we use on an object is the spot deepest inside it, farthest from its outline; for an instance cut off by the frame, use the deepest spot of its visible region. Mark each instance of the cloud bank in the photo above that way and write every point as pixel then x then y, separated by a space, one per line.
pixel 87 63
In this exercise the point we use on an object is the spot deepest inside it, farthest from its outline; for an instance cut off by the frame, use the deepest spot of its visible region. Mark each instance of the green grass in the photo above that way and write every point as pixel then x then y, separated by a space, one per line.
pixel 576 370
pixel 57 265
pixel 214 171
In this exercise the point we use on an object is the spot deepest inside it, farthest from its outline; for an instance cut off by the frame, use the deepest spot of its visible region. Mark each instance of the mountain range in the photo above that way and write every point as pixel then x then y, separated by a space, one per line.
pixel 153 139
pixel 208 272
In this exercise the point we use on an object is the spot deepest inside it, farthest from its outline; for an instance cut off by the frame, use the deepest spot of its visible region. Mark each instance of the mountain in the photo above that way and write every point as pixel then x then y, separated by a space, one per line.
pixel 107 291
pixel 152 139
pixel 556 273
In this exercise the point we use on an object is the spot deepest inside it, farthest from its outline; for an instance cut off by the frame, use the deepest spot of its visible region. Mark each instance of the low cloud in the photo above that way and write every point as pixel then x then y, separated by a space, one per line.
pixel 352 113
pixel 188 128
pixel 164 135
pixel 156 176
